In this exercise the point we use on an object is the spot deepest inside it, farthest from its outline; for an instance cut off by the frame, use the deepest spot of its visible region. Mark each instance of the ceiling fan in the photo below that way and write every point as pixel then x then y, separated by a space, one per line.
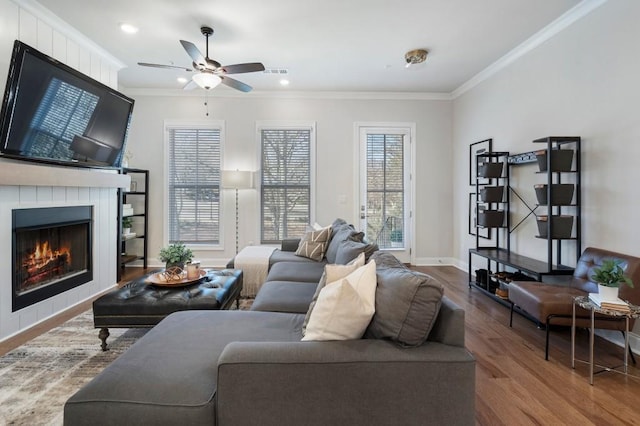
pixel 209 72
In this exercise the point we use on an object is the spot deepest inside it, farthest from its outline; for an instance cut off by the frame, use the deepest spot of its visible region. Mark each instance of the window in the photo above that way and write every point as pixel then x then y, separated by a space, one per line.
pixel 286 187
pixel 65 111
pixel 194 156
pixel 385 188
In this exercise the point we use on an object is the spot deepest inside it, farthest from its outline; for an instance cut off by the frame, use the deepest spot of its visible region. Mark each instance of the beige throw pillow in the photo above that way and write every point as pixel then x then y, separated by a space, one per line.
pixel 345 307
pixel 314 244
pixel 332 272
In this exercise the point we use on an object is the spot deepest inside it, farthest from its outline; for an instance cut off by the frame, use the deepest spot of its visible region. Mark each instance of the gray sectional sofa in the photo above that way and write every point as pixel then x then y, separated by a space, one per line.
pixel 251 367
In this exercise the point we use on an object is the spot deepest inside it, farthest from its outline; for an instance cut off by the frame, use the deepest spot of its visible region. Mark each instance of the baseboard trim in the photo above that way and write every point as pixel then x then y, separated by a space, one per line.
pixel 616 338
pixel 437 261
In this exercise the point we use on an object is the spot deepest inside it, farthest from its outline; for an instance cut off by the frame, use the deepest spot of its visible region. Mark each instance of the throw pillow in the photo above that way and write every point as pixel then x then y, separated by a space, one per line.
pixel 350 249
pixel 407 305
pixel 345 307
pixel 331 273
pixel 341 233
pixel 314 244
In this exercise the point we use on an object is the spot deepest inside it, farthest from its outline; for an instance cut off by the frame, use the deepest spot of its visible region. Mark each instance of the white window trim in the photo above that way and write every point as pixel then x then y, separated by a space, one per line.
pixel 190 124
pixel 289 125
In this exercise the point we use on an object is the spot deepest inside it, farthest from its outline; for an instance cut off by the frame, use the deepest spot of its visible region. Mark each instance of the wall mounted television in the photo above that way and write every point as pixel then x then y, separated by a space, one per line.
pixel 53 113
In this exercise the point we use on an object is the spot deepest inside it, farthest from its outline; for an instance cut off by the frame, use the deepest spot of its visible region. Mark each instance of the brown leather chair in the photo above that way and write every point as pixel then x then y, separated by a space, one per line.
pixel 551 302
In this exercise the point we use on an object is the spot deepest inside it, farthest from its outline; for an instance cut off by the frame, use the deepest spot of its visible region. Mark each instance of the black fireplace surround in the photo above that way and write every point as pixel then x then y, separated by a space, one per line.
pixel 51 252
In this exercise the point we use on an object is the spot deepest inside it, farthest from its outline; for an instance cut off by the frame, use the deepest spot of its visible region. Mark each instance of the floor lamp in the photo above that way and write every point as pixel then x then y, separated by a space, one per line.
pixel 237 179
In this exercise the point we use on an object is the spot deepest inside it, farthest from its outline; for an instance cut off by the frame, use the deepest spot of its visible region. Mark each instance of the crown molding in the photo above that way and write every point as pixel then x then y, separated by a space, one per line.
pixel 63 27
pixel 565 20
pixel 264 94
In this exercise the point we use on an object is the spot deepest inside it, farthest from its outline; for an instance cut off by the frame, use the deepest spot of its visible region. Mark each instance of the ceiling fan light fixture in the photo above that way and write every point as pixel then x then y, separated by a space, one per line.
pixel 206 80
pixel 416 56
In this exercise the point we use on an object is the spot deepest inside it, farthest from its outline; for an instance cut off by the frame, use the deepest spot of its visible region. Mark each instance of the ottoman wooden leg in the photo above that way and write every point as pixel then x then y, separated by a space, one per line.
pixel 103 334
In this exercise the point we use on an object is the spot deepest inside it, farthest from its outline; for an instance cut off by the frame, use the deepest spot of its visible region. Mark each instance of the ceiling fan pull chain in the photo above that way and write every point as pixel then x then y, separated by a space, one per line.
pixel 206 102
pixel 207 40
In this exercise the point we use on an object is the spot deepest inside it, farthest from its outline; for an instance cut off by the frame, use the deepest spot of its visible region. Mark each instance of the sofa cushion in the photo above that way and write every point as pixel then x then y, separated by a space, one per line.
pixel 340 232
pixel 314 244
pixel 140 387
pixel 407 304
pixel 344 307
pixel 331 273
pixel 296 271
pixel 284 296
pixel 287 256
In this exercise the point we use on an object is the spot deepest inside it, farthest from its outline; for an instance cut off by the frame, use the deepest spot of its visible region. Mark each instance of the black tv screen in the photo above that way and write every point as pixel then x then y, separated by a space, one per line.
pixel 54 113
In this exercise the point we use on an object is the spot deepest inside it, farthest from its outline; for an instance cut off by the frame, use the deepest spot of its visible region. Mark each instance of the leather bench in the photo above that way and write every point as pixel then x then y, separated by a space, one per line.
pixel 139 304
pixel 551 302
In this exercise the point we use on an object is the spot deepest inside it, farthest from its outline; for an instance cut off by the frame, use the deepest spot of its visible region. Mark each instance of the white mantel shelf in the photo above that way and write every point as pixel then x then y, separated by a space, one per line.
pixel 27 174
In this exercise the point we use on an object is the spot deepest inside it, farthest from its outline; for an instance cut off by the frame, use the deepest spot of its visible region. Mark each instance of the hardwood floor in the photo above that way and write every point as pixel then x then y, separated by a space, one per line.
pixel 514 384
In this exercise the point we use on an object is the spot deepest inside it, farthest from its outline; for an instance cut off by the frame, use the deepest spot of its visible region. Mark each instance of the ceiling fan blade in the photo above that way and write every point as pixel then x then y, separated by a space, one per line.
pixel 242 68
pixel 228 81
pixel 193 52
pixel 190 85
pixel 145 64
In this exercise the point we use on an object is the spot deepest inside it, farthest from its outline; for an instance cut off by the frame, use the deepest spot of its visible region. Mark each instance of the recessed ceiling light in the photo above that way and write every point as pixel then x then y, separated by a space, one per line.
pixel 284 82
pixel 128 28
pixel 182 80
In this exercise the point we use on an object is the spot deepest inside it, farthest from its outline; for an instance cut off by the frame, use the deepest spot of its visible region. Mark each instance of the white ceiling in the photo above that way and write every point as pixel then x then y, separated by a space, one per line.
pixel 327 45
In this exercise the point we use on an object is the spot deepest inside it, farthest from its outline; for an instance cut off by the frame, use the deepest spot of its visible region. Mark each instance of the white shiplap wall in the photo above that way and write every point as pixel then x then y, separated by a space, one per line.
pixel 28 22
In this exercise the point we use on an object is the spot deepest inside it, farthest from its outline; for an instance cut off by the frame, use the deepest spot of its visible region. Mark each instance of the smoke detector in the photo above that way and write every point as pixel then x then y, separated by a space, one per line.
pixel 416 56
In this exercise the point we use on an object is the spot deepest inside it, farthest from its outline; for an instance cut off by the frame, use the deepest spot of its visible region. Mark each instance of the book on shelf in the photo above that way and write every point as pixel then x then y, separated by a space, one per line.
pixel 616 304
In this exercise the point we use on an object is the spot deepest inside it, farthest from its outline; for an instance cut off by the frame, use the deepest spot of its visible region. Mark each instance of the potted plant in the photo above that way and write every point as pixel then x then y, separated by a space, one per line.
pixel 126 225
pixel 609 277
pixel 176 254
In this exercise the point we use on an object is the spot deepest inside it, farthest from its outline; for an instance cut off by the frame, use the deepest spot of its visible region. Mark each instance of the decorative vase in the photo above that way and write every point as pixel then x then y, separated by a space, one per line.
pixel 169 265
pixel 608 293
pixel 126 231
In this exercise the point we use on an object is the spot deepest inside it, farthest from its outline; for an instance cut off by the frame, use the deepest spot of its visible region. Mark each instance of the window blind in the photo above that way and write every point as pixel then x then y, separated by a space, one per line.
pixel 65 111
pixel 385 188
pixel 286 183
pixel 194 185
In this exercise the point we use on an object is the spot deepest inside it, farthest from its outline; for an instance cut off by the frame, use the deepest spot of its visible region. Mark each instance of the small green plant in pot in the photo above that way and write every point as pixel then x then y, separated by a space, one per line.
pixel 176 254
pixel 609 277
pixel 126 225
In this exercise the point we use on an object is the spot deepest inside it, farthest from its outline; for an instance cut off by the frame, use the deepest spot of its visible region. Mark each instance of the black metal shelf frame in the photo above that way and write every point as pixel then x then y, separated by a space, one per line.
pixel 142 176
pixel 499 255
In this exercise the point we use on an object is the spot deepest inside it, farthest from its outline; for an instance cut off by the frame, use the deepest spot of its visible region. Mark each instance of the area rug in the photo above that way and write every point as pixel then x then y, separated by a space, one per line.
pixel 38 377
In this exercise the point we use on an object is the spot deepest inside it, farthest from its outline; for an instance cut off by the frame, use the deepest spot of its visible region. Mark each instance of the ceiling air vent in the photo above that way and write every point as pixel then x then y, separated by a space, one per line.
pixel 280 71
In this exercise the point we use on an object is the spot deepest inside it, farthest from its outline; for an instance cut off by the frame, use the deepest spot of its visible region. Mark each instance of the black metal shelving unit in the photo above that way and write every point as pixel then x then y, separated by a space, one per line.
pixel 499 256
pixel 138 195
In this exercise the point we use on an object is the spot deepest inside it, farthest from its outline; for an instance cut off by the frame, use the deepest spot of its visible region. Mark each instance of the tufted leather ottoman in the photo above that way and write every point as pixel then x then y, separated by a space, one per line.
pixel 140 304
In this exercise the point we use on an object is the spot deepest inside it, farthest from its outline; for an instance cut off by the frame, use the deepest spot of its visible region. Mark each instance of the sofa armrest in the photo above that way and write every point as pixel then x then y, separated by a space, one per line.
pixel 344 382
pixel 449 326
pixel 290 244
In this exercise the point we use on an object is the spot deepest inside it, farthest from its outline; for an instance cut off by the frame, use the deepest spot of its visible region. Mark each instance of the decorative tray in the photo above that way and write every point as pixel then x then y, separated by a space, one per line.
pixel 175 280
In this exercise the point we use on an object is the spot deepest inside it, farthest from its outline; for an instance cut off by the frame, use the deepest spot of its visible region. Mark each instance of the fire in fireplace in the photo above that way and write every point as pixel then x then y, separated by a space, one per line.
pixel 51 252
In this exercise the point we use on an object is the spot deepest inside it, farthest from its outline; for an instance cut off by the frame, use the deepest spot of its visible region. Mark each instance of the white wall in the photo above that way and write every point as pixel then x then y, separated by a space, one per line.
pixel 335 144
pixel 584 82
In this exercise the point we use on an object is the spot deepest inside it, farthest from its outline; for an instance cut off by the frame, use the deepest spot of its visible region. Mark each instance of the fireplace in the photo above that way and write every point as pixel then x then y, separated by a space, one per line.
pixel 52 252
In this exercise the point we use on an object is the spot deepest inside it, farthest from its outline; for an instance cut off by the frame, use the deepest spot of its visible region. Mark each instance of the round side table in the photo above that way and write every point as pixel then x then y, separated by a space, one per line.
pixel 586 303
